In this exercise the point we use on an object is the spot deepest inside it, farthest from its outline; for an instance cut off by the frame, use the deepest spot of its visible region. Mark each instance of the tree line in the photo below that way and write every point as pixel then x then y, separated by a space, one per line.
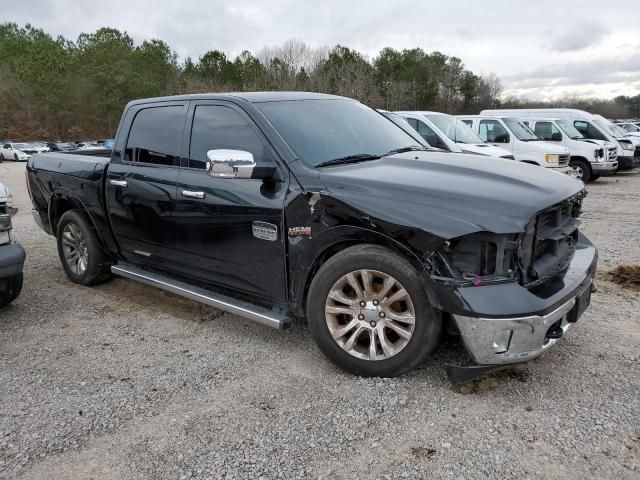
pixel 74 89
pixel 59 88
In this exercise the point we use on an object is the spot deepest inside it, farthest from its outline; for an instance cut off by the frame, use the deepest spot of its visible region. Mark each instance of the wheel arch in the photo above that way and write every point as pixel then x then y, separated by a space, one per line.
pixel 320 249
pixel 63 201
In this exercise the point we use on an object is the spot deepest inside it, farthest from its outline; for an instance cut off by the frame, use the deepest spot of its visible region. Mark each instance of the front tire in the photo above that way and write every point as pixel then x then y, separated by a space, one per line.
pixel 80 251
pixel 369 314
pixel 582 169
pixel 10 288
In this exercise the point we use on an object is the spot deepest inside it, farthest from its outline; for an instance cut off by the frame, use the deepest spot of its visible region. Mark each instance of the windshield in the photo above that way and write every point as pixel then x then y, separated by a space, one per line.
pixel 569 129
pixel 319 131
pixel 520 130
pixel 454 129
pixel 610 128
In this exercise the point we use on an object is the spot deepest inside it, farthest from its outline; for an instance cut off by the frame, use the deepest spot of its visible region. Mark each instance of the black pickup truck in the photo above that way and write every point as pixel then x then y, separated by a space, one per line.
pixel 282 205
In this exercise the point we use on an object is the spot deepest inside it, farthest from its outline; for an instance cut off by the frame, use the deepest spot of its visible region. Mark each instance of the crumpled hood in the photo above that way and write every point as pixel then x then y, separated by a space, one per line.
pixel 449 194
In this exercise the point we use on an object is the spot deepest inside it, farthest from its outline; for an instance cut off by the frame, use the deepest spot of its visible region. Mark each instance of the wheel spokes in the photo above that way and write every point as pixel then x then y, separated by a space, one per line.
pixel 370 315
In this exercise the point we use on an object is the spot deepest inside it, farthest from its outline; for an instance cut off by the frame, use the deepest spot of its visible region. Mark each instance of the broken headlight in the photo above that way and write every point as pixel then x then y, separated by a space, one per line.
pixel 477 258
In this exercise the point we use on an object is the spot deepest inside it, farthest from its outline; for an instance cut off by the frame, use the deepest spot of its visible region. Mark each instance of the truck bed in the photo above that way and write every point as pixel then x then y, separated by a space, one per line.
pixel 90 167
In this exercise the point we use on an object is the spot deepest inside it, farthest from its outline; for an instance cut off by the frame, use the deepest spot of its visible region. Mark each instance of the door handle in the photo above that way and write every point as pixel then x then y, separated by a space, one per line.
pixel 190 194
pixel 118 183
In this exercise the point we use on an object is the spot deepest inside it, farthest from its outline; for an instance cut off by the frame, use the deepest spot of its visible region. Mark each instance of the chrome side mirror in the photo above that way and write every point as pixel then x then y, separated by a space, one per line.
pixel 230 163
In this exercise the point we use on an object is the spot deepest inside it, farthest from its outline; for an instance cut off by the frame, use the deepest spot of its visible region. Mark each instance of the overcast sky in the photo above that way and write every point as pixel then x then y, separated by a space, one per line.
pixel 539 48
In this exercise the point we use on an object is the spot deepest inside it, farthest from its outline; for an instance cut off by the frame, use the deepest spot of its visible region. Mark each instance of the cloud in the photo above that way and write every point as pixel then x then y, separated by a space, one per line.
pixel 578 36
pixel 504 39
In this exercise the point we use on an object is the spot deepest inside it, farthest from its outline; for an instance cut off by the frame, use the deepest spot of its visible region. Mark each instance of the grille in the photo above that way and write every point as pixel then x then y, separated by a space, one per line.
pixel 613 153
pixel 564 160
pixel 554 239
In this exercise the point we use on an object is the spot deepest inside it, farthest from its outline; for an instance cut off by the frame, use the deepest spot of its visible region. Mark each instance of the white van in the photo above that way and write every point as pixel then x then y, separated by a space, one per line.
pixel 586 123
pixel 513 135
pixel 632 129
pixel 590 159
pixel 451 132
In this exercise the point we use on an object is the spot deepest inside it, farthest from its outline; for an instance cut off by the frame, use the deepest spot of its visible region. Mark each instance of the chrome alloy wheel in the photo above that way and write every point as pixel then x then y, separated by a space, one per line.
pixel 579 172
pixel 74 248
pixel 370 315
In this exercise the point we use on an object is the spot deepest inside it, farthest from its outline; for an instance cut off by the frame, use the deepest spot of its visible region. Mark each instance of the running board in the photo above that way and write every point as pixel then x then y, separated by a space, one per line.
pixel 252 312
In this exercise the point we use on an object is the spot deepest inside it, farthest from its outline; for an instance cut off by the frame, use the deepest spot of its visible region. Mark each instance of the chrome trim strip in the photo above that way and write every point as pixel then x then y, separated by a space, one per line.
pixel 228 304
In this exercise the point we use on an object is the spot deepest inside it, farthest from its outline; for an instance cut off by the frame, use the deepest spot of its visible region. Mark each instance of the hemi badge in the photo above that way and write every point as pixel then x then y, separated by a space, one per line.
pixel 265 231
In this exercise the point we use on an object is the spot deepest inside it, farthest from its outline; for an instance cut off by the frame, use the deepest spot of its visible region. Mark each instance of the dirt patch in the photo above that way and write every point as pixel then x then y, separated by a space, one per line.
pixel 491 381
pixel 626 275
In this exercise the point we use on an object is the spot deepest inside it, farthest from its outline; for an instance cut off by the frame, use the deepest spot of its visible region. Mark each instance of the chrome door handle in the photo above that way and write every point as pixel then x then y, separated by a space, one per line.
pixel 118 183
pixel 190 194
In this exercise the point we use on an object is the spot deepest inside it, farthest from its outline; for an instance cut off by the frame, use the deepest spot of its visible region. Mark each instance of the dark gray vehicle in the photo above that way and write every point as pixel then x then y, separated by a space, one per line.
pixel 289 204
pixel 11 253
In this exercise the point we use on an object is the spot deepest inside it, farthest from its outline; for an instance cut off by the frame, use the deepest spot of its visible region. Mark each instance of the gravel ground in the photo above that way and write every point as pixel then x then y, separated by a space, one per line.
pixel 124 381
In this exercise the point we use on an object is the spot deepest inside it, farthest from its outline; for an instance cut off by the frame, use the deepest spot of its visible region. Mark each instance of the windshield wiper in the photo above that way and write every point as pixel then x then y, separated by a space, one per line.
pixel 413 148
pixel 358 157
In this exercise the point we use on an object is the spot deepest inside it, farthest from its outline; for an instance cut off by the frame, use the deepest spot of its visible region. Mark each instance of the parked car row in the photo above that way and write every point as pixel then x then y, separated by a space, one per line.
pixel 278 205
pixel 21 151
pixel 565 140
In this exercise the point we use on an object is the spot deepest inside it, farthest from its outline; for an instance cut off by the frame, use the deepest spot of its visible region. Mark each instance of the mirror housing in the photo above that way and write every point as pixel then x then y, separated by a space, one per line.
pixel 556 137
pixel 230 163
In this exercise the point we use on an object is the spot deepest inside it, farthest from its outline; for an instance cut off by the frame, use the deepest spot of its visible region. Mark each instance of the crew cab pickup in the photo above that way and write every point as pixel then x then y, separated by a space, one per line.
pixel 280 205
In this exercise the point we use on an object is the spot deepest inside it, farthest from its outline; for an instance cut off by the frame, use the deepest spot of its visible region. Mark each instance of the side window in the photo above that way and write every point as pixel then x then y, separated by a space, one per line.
pixel 427 133
pixel 469 123
pixel 588 131
pixel 493 131
pixel 548 131
pixel 7 146
pixel 413 122
pixel 155 136
pixel 217 127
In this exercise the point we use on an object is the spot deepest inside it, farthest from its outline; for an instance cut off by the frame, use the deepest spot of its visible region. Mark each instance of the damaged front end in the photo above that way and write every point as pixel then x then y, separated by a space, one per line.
pixel 544 250
pixel 512 296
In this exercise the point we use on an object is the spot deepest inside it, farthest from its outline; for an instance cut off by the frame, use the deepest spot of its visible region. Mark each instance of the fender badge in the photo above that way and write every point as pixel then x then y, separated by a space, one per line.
pixel 299 231
pixel 265 231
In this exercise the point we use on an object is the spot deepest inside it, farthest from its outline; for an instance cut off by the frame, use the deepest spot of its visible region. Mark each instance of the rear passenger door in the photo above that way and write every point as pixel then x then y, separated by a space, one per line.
pixel 231 229
pixel 141 183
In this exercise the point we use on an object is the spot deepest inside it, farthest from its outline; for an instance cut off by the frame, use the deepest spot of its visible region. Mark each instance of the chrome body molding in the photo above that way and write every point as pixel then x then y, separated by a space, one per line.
pixel 252 312
pixel 499 341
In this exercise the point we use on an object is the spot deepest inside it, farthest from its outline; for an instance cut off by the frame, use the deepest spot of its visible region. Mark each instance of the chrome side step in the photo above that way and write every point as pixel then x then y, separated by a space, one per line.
pixel 228 304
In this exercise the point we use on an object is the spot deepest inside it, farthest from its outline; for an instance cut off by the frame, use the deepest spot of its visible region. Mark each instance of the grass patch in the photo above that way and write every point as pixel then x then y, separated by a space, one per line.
pixel 627 276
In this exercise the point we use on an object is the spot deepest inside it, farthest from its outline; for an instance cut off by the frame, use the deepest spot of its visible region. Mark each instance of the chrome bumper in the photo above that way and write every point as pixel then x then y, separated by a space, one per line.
pixel 494 341
pixel 604 167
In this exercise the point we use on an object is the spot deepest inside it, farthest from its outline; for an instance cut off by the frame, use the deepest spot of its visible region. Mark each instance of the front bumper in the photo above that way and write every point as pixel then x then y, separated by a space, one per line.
pixel 627 162
pixel 567 170
pixel 604 168
pixel 11 259
pixel 512 340
pixel 508 323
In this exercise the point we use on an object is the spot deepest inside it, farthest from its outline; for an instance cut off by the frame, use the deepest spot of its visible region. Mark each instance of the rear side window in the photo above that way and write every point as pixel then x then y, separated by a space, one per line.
pixel 588 131
pixel 217 127
pixel 493 131
pixel 156 136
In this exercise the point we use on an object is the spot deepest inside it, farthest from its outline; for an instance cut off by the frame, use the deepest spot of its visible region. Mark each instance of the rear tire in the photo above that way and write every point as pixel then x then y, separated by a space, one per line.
pixel 10 288
pixel 83 259
pixel 582 168
pixel 388 307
